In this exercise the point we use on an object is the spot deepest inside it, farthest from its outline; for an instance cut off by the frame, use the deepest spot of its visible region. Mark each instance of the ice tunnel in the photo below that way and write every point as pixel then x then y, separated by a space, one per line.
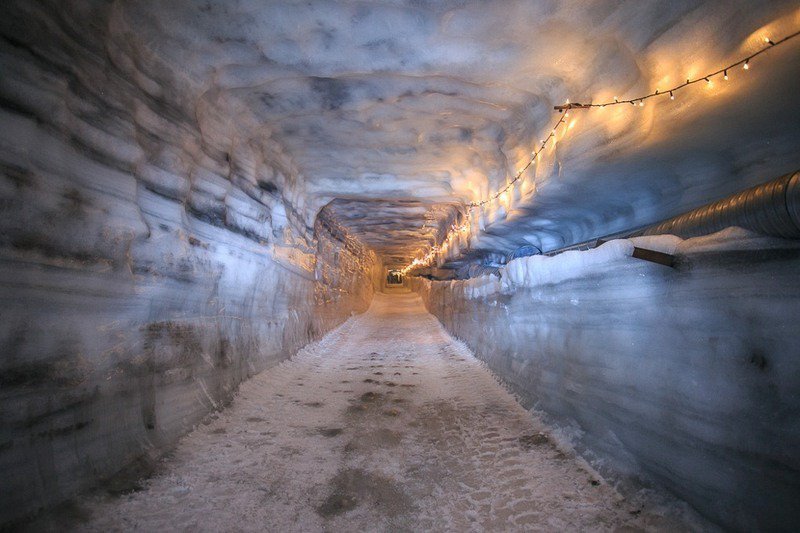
pixel 402 265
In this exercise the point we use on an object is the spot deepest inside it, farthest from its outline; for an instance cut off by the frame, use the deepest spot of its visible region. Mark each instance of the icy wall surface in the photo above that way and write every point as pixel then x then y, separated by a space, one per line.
pixel 437 103
pixel 686 375
pixel 189 190
pixel 150 259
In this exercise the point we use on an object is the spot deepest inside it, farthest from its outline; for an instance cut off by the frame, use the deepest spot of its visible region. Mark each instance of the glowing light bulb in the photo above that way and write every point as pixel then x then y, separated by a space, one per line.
pixel 746 65
pixel 671 96
pixel 641 103
pixel 725 75
pixel 616 99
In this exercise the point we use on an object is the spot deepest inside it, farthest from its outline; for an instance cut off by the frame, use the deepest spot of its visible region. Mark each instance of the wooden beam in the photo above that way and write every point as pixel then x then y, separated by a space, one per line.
pixel 649 255
pixel 654 257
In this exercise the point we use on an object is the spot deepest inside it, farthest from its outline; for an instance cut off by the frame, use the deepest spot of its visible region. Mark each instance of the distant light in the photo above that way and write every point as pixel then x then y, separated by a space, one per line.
pixel 641 103
pixel 725 75
pixel 671 96
pixel 746 64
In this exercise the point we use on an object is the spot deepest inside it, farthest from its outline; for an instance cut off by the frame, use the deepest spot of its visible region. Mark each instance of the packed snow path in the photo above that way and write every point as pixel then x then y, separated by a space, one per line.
pixel 386 424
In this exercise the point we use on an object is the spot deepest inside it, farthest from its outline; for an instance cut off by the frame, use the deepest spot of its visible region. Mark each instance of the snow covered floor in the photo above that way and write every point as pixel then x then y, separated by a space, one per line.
pixel 386 424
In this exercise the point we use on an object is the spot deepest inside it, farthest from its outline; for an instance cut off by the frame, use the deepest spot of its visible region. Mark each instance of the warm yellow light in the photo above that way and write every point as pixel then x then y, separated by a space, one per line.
pixel 507 194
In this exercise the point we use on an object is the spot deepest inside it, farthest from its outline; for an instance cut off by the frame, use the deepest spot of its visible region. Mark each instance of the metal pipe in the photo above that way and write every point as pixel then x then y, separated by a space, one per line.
pixel 772 208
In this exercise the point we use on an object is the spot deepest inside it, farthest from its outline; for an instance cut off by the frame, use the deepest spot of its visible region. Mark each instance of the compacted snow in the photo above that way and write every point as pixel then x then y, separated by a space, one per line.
pixel 386 424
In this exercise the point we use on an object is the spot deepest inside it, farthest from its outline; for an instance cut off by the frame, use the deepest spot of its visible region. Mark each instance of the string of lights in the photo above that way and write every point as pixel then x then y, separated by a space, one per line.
pixel 521 171
pixel 456 230
pixel 744 62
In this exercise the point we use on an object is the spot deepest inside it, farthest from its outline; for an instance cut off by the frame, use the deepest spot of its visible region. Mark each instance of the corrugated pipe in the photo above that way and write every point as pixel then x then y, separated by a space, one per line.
pixel 772 208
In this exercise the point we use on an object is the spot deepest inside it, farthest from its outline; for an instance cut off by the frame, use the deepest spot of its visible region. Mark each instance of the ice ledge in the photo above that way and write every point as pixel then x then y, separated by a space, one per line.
pixel 539 270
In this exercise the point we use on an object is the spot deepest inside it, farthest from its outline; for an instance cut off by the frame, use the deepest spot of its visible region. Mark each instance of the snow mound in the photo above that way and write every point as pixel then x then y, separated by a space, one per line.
pixel 543 270
pixel 667 244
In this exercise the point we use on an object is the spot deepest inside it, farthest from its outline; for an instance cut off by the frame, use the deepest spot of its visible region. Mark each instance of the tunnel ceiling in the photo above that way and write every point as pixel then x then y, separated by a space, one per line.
pixel 395 229
pixel 399 112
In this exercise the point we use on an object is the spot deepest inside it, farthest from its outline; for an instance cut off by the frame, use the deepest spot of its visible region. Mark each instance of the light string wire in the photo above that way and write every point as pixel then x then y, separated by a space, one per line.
pixel 745 62
pixel 426 259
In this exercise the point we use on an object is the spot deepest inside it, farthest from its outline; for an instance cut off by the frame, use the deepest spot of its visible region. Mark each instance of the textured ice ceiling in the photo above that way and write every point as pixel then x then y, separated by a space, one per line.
pixel 399 112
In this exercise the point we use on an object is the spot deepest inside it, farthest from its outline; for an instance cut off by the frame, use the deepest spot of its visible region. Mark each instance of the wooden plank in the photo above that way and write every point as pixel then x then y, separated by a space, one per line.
pixel 649 255
pixel 654 257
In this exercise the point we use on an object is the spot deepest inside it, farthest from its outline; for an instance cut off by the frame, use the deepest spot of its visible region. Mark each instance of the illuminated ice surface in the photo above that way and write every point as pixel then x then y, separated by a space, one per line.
pixel 401 110
pixel 192 191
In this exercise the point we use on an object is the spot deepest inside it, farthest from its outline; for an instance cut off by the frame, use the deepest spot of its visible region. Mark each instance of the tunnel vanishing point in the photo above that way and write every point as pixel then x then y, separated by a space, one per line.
pixel 530 265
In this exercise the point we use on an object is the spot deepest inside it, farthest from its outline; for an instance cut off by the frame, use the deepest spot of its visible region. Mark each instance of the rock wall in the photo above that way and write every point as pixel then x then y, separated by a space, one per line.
pixel 152 255
pixel 686 376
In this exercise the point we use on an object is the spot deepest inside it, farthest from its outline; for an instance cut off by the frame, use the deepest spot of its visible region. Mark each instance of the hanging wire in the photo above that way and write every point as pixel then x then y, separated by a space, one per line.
pixel 519 174
pixel 429 257
pixel 745 62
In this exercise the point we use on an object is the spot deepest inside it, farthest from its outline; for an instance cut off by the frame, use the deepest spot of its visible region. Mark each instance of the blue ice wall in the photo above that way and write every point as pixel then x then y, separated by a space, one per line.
pixel 686 376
